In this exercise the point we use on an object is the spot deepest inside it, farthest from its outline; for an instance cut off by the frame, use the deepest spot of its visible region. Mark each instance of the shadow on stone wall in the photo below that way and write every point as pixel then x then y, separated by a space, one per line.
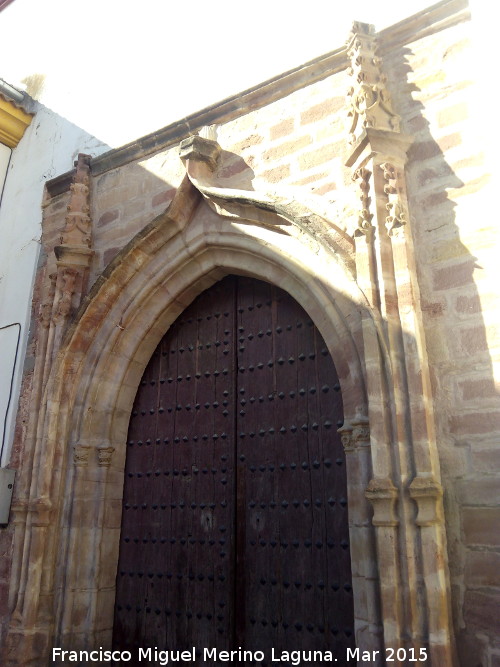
pixel 462 376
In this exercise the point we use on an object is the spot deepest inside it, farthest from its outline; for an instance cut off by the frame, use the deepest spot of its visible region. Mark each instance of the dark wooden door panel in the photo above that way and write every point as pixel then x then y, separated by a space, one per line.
pixel 235 514
pixel 175 573
pixel 296 560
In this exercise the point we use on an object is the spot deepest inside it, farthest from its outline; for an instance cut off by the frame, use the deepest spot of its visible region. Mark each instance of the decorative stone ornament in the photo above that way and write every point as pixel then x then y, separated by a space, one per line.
pixel 368 98
pixel 46 307
pixel 200 149
pixel 67 289
pixel 76 237
pixel 383 495
pixel 104 455
pixel 77 231
pixel 361 431
pixel 395 206
pixel 426 492
pixel 81 454
pixel 385 264
pixel 362 179
pixel 345 432
pixel 355 433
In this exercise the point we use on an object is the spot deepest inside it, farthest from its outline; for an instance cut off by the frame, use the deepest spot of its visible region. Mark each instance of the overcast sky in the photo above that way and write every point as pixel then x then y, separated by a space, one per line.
pixel 158 61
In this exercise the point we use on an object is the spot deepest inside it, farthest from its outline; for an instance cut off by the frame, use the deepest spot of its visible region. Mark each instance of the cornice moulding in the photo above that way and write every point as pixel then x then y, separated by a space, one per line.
pixel 13 123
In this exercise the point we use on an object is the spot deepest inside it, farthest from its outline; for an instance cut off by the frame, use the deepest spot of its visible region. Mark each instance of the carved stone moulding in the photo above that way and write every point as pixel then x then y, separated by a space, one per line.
pixel 382 494
pixel 200 149
pixel 364 225
pixel 396 205
pixel 368 98
pixel 427 493
pixel 104 455
pixel 379 146
pixel 73 255
pixel 355 433
pixel 45 314
pixel 81 454
pixel 67 289
pixel 77 232
pixel 41 511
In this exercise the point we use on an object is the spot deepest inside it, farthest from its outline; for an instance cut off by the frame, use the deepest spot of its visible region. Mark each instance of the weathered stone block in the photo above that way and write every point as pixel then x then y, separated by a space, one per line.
pixel 478 525
pixel 322 110
pixel 282 129
pixel 481 611
pixel 482 568
pixel 286 149
pixel 320 156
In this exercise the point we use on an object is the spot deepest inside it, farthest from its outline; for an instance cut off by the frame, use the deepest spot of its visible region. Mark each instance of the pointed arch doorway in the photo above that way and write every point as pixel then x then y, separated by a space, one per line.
pixel 234 524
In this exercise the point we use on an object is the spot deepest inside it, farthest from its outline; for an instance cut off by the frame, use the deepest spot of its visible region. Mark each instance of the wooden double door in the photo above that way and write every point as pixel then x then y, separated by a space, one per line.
pixel 234 529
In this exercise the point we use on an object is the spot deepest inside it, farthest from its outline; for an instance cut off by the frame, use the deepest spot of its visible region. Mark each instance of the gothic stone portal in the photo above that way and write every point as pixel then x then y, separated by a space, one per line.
pixel 234 529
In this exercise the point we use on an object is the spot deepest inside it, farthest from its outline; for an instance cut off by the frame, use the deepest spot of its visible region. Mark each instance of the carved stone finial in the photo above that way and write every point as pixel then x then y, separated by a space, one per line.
pixel 368 98
pixel 104 455
pixel 78 229
pixel 81 454
pixel 362 178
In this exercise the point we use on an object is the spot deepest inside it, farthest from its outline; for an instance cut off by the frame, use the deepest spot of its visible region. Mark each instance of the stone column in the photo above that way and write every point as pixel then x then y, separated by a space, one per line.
pixel 355 436
pixel 412 553
pixel 41 476
pixel 90 533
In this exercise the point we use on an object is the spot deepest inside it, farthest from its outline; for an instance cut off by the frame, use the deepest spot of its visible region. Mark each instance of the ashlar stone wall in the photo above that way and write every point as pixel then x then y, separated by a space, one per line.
pixel 297 139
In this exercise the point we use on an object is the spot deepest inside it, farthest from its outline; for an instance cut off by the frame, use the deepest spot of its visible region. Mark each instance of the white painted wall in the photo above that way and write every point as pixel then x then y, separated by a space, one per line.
pixel 5 152
pixel 48 148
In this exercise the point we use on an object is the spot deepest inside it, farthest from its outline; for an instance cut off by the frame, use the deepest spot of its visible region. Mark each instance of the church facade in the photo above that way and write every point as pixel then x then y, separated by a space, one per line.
pixel 350 193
